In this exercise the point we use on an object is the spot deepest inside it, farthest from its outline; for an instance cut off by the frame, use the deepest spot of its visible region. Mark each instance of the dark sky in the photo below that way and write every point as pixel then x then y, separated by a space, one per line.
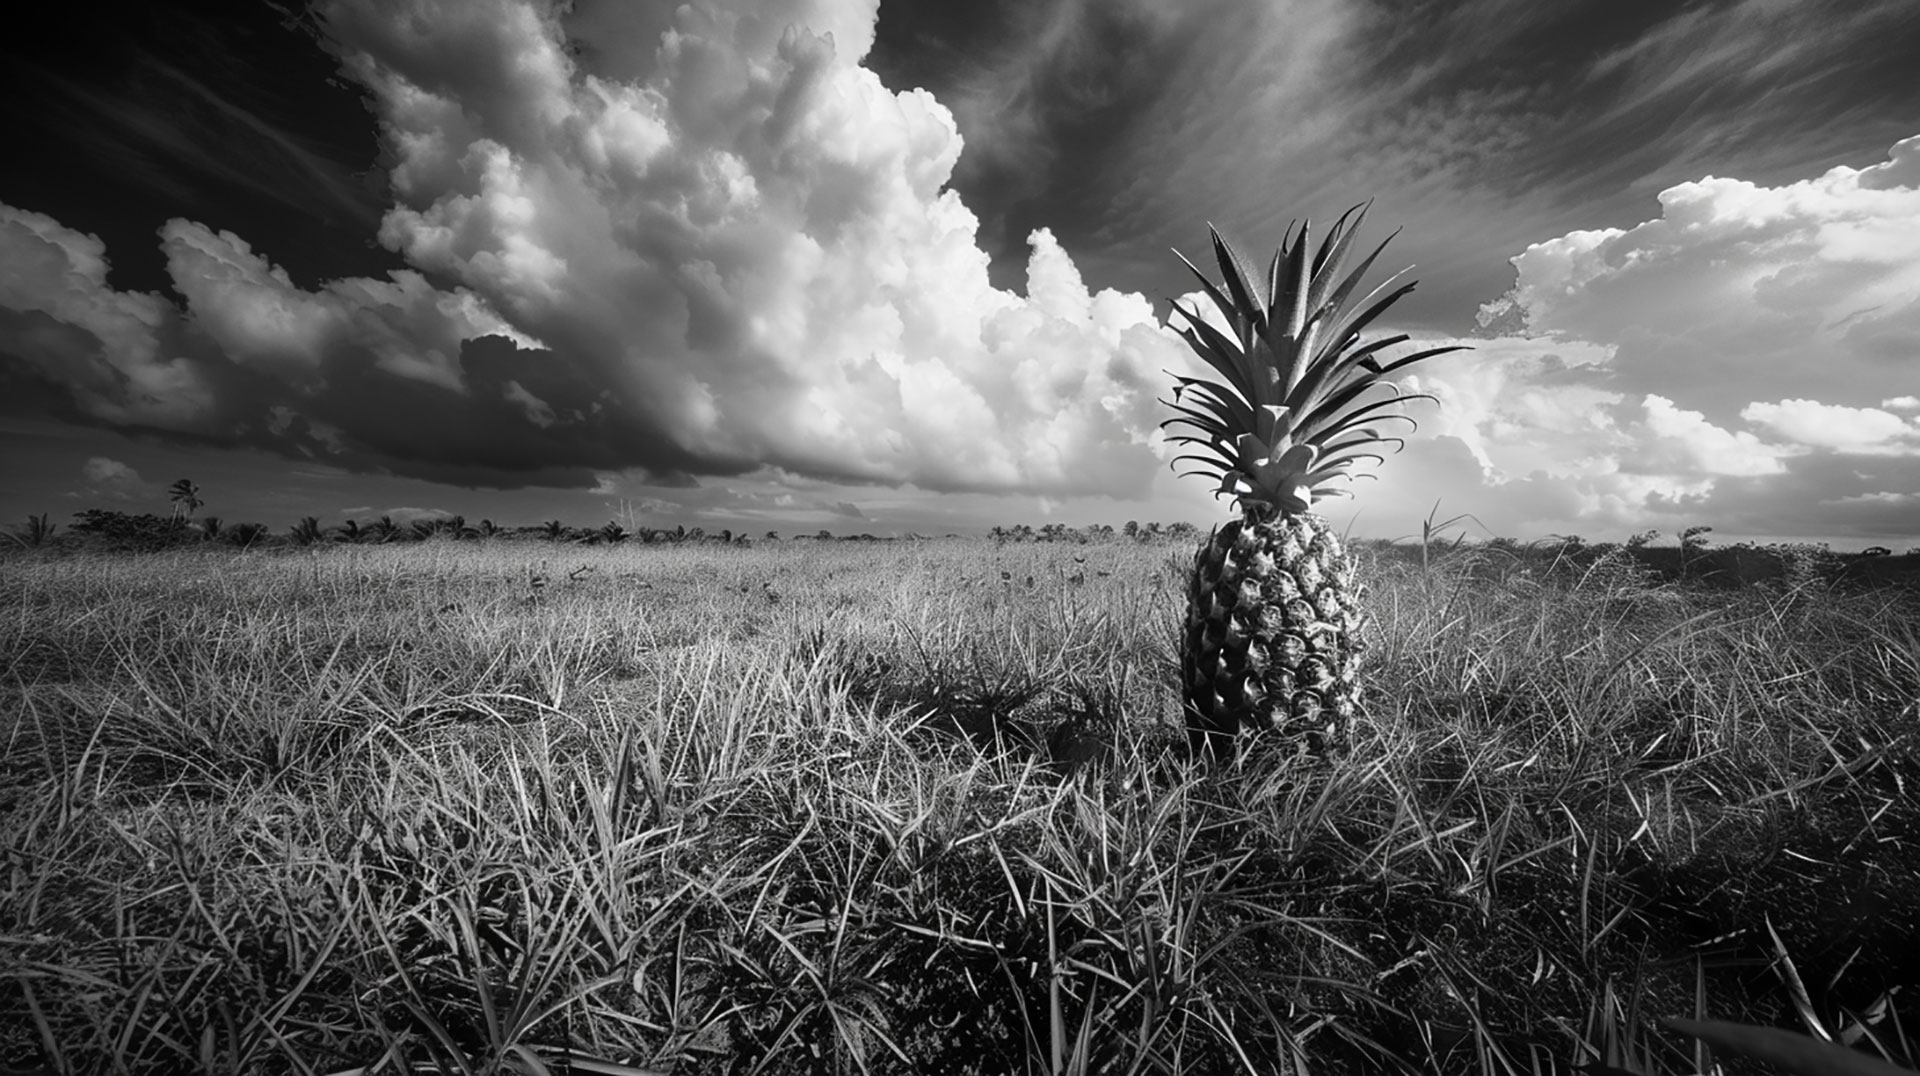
pixel 738 295
pixel 234 115
pixel 125 115
pixel 1111 123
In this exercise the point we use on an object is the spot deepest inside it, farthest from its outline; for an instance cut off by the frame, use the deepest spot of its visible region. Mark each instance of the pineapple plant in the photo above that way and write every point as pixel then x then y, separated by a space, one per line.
pixel 1274 626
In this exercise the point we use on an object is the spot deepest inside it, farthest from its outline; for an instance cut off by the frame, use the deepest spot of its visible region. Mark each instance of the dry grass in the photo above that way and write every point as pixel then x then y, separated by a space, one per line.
pixel 895 808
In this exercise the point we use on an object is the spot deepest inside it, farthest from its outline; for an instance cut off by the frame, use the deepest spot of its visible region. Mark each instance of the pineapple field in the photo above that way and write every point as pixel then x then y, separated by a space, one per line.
pixel 512 806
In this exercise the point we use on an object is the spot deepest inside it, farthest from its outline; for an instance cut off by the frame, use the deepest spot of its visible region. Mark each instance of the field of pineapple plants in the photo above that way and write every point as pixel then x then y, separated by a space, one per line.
pixel 520 806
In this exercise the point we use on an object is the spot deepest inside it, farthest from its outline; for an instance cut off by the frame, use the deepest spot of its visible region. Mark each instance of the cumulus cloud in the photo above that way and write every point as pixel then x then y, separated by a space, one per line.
pixel 1533 436
pixel 361 372
pixel 711 244
pixel 1809 290
pixel 106 477
pixel 1727 362
pixel 1862 430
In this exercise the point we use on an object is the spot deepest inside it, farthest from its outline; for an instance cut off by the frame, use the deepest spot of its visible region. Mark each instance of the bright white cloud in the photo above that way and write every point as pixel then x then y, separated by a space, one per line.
pixel 1531 435
pixel 1522 405
pixel 1807 290
pixel 1724 358
pixel 1865 430
pixel 1683 442
pixel 717 246
pixel 746 237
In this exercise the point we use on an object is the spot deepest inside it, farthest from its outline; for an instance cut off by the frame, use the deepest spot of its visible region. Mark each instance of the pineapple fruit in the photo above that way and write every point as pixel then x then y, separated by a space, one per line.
pixel 1274 626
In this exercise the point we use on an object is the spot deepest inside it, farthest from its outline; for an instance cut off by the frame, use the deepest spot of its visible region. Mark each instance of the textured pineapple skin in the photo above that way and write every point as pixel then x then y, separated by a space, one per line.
pixel 1273 637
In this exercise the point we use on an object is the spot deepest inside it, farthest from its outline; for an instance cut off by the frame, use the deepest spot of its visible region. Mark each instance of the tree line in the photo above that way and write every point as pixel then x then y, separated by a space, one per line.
pixel 184 525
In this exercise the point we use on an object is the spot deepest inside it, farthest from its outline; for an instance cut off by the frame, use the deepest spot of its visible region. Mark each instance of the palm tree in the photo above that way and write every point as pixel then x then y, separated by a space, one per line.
pixel 613 534
pixel 348 531
pixel 554 530
pixel 307 531
pixel 37 531
pixel 184 494
pixel 384 529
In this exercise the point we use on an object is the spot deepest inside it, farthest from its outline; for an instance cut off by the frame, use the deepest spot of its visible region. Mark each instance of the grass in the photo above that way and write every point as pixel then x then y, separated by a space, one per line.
pixel 923 807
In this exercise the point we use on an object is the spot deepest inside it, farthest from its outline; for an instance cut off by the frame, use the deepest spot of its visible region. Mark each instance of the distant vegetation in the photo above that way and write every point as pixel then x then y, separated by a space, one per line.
pixel 1687 555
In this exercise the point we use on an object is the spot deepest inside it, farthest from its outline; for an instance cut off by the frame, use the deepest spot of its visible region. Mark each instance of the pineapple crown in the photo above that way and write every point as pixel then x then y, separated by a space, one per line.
pixel 1290 415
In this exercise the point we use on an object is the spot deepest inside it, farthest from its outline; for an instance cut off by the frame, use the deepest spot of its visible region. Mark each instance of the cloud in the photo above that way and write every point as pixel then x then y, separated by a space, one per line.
pixel 1862 430
pixel 1478 125
pixel 718 247
pixel 373 375
pixel 1724 363
pixel 1536 439
pixel 1807 288
pixel 113 479
pixel 1684 443
pixel 745 237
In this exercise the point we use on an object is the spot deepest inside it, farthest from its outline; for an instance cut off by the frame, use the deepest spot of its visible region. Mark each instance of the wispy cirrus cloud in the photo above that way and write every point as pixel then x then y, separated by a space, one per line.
pixel 195 139
pixel 1479 126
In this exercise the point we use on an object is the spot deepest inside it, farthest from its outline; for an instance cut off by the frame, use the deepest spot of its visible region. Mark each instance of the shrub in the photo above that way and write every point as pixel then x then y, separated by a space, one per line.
pixel 131 533
pixel 246 535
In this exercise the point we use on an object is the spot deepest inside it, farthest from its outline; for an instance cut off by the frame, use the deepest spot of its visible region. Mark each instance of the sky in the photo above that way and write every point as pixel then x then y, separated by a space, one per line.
pixel 906 266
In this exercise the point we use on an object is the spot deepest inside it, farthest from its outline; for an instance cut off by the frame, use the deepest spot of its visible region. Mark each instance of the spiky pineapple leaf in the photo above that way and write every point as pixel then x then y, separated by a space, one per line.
pixel 1334 247
pixel 1249 308
pixel 1289 418
pixel 1420 356
pixel 1299 285
pixel 1218 350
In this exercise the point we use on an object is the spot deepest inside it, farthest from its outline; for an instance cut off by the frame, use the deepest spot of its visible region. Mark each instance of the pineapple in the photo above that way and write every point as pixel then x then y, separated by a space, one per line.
pixel 1274 622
